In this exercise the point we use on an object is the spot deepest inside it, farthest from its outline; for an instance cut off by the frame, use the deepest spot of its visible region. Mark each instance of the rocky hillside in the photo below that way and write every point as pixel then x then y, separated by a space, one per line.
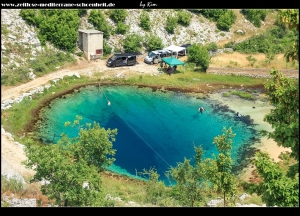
pixel 19 42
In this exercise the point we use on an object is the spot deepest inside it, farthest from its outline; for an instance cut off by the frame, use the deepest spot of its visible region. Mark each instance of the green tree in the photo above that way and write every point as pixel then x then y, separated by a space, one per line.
pixel 191 179
pixel 226 20
pixel 199 54
pixel 290 17
pixel 145 21
pixel 72 164
pixel 221 167
pixel 283 94
pixel 155 189
pixel 153 42
pixel 133 43
pixel 277 188
pixel 98 20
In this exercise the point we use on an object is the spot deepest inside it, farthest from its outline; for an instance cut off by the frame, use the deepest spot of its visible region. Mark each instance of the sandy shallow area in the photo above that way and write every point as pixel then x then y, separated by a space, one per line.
pixel 256 109
pixel 12 153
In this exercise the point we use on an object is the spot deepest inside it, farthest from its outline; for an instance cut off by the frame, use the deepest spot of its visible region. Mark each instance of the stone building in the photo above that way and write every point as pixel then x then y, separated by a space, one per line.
pixel 91 43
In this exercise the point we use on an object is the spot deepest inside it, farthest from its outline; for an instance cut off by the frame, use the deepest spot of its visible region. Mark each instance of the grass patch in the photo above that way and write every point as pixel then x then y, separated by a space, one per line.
pixel 242 94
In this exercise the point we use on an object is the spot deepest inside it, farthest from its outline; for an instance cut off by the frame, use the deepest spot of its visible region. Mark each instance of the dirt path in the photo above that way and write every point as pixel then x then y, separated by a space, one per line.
pixel 12 154
pixel 82 68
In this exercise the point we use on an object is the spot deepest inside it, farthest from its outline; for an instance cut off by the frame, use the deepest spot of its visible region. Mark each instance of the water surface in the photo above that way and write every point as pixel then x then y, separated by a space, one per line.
pixel 155 129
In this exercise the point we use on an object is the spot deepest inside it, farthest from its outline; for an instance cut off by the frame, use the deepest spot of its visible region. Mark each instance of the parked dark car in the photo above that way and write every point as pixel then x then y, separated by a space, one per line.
pixel 186 46
pixel 122 59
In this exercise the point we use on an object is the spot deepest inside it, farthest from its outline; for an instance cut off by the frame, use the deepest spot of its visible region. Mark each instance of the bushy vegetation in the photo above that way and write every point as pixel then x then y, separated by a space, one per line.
pixel 212 46
pixel 121 28
pixel 226 20
pixel 199 55
pixel 171 24
pixel 118 15
pixel 47 61
pixel 276 40
pixel 153 42
pixel 98 20
pixel 145 21
pixel 106 48
pixel 133 43
pixel 184 18
pixel 60 27
pixel 255 16
pixel 50 60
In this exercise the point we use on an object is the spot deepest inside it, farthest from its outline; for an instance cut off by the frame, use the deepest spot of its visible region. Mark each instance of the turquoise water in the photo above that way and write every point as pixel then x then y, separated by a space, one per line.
pixel 155 129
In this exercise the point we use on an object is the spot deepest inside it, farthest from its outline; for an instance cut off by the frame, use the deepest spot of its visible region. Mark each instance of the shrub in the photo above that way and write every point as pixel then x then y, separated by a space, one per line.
pixel 226 20
pixel 171 24
pixel 133 43
pixel 98 20
pixel 106 48
pixel 212 46
pixel 145 21
pixel 121 28
pixel 184 18
pixel 118 15
pixel 153 42
pixel 255 16
pixel 199 54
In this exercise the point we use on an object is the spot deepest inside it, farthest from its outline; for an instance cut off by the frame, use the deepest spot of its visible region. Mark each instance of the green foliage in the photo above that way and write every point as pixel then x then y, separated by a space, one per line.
pixel 153 42
pixel 145 21
pixel 191 179
pixel 199 54
pixel 184 18
pixel 212 14
pixel 132 43
pixel 283 93
pixel 118 15
pixel 121 28
pixel 98 20
pixel 71 163
pixel 221 167
pixel 30 16
pixel 56 26
pixel 48 60
pixel 171 24
pixel 226 20
pixel 243 94
pixel 155 189
pixel 251 59
pixel 277 188
pixel 212 46
pixel 106 48
pixel 82 12
pixel 255 16
pixel 276 40
pixel 290 17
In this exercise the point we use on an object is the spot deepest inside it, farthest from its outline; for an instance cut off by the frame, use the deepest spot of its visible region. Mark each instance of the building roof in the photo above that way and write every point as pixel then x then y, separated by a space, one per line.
pixel 90 31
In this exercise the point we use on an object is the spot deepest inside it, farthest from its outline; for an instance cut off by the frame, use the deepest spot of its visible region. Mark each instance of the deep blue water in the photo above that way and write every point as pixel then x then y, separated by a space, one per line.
pixel 155 129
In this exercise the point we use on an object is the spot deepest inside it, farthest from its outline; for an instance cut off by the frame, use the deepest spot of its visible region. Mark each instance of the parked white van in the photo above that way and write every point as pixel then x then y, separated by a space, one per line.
pixel 154 57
